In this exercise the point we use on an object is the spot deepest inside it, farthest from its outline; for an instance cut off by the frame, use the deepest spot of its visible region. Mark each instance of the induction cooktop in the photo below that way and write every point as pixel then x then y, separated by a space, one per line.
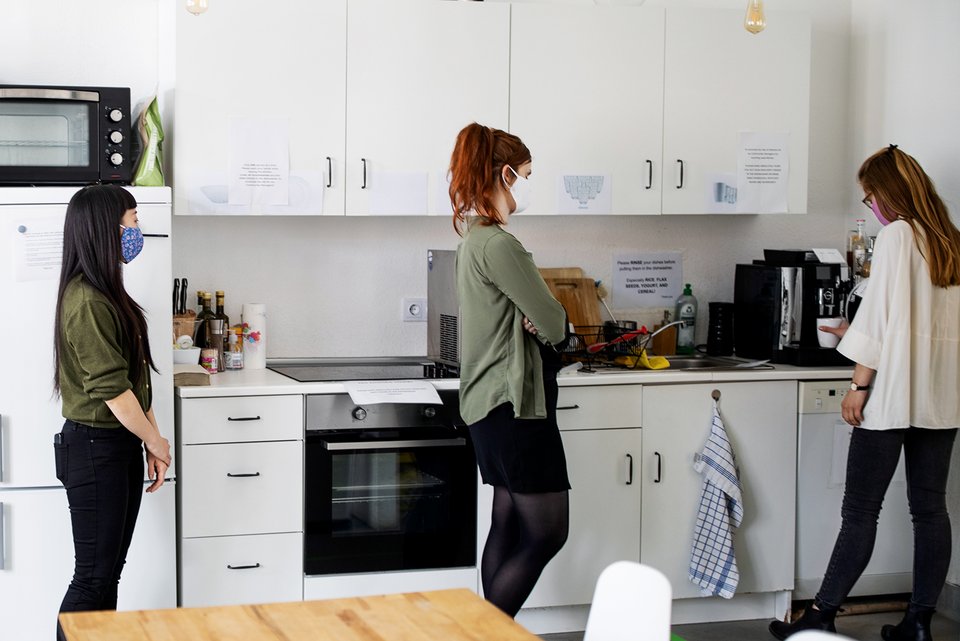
pixel 317 371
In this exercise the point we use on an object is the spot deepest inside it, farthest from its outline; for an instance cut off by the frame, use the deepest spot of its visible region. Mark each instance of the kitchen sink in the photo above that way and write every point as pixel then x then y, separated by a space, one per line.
pixel 700 362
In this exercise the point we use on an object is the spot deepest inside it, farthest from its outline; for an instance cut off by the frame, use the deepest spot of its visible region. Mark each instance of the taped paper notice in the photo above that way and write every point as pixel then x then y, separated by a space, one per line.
pixel 373 392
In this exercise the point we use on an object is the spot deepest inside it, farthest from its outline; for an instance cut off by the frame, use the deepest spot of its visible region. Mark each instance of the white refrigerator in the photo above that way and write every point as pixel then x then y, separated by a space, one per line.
pixel 36 545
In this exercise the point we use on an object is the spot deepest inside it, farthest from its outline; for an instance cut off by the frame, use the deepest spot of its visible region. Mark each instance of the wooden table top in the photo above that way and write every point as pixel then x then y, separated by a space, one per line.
pixel 450 615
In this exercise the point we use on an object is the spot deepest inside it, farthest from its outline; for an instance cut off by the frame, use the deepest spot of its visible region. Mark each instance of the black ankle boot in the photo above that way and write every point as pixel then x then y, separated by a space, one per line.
pixel 812 619
pixel 915 626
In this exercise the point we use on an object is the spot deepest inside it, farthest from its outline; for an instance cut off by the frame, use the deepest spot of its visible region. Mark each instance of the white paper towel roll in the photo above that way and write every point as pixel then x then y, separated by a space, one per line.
pixel 255 354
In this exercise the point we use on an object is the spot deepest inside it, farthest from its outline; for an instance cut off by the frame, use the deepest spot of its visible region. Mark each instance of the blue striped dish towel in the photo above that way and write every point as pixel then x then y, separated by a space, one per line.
pixel 713 565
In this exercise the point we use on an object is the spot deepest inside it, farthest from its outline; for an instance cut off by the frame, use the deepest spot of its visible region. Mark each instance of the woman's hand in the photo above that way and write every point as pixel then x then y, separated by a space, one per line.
pixel 838 331
pixel 156 472
pixel 851 408
pixel 528 326
pixel 160 448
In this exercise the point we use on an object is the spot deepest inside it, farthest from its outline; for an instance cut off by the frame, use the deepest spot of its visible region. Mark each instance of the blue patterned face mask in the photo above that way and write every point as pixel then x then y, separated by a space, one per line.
pixel 131 242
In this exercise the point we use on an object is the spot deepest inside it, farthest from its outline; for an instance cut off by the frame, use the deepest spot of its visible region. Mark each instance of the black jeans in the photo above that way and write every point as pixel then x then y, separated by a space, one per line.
pixel 102 470
pixel 871 462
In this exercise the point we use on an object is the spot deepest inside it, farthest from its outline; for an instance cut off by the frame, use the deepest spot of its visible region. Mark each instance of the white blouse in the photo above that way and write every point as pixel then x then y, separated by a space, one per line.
pixel 908 330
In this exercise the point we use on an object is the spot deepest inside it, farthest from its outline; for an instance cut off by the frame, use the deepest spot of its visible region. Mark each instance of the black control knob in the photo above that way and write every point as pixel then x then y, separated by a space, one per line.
pixel 115 115
pixel 359 413
pixel 429 412
pixel 116 137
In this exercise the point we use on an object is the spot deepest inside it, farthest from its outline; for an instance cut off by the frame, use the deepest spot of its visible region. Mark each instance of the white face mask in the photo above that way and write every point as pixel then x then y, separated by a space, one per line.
pixel 520 191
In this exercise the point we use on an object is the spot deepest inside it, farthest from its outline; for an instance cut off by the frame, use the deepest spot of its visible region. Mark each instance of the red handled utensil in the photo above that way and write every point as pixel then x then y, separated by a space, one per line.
pixel 596 347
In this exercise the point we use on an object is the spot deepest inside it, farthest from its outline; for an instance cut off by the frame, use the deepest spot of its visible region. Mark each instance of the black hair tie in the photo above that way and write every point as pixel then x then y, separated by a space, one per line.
pixel 891 147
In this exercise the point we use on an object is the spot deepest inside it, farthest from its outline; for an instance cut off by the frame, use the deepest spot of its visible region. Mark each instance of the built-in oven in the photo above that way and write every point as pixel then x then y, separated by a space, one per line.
pixel 387 487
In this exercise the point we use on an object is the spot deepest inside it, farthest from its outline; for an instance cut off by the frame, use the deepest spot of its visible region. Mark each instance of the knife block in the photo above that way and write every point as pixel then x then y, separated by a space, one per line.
pixel 185 324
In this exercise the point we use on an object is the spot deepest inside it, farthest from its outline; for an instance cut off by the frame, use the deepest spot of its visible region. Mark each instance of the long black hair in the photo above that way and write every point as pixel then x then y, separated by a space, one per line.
pixel 91 249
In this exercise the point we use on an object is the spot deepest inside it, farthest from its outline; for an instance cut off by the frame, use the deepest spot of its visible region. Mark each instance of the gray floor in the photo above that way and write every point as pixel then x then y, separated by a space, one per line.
pixel 863 627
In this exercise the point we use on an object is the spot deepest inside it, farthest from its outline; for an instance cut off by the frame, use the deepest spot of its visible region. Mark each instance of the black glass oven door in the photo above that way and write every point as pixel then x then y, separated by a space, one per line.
pixel 389 500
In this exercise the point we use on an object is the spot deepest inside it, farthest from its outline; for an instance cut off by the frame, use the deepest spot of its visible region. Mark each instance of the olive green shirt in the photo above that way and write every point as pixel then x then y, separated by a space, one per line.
pixel 497 285
pixel 95 359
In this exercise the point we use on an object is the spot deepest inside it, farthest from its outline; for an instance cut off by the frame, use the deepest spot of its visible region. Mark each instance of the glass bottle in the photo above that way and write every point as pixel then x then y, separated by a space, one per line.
pixel 234 355
pixel 868 258
pixel 226 320
pixel 205 314
pixel 859 251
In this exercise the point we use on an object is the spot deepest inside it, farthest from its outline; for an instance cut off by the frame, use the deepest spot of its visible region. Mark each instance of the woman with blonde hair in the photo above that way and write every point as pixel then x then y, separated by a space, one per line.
pixel 511 327
pixel 905 342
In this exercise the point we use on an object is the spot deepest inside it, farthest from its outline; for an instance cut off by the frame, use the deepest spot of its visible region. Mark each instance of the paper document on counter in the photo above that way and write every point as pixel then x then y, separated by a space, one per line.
pixel 373 392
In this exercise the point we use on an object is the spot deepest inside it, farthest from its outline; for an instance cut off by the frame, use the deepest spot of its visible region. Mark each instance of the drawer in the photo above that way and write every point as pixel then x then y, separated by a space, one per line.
pixel 235 570
pixel 241 488
pixel 238 419
pixel 599 406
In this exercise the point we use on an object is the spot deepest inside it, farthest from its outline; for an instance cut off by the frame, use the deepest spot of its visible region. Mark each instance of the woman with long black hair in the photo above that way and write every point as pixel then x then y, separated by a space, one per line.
pixel 102 374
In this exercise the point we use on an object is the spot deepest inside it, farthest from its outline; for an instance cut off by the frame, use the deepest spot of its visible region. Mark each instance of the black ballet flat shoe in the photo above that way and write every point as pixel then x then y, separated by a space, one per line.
pixel 915 626
pixel 812 619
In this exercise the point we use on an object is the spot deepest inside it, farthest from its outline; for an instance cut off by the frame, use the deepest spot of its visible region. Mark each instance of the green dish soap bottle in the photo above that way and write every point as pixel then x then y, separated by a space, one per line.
pixel 687 312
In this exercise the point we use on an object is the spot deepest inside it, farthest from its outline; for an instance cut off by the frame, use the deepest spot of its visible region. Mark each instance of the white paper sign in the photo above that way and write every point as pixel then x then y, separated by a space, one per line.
pixel 584 194
pixel 38 248
pixel 763 166
pixel 646 279
pixel 373 392
pixel 829 255
pixel 259 161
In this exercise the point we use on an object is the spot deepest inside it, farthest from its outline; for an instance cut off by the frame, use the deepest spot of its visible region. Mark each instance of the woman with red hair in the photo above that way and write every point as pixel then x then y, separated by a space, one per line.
pixel 512 328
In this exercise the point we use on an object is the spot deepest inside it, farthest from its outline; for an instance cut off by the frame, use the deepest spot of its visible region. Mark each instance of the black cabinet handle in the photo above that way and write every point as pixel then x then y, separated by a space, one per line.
pixel 629 469
pixel 680 186
pixel 568 407
pixel 363 185
pixel 649 174
pixel 659 461
pixel 329 172
pixel 244 418
pixel 243 567
pixel 242 476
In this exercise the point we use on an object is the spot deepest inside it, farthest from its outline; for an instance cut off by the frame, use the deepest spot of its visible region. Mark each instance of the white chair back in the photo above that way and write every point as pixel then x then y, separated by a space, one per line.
pixel 630 603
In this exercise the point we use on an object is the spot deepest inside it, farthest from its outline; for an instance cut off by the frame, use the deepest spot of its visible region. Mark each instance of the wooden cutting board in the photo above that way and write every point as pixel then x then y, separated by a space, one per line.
pixel 579 297
pixel 562 272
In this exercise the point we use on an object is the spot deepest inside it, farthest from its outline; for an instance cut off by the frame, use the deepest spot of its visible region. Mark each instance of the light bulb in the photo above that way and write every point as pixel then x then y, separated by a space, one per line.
pixel 196 7
pixel 755 22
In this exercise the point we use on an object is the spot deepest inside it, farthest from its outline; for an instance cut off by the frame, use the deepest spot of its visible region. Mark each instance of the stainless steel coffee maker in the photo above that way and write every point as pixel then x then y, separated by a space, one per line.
pixel 777 302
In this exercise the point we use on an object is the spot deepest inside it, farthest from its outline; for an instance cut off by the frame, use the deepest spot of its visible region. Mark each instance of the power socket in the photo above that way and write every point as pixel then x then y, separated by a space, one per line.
pixel 413 310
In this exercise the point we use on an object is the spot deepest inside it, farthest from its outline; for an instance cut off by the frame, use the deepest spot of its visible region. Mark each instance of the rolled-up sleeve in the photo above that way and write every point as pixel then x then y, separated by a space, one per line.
pixel 93 333
pixel 511 268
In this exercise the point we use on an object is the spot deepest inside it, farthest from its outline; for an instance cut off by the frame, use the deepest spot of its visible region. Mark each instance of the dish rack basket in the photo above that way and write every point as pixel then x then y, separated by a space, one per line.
pixel 614 350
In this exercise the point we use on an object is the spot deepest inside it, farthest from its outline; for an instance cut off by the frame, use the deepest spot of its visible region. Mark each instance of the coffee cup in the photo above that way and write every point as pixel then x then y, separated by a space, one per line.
pixel 827 339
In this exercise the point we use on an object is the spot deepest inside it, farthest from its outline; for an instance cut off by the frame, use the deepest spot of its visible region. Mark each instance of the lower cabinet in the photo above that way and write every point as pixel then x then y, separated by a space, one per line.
pixel 760 421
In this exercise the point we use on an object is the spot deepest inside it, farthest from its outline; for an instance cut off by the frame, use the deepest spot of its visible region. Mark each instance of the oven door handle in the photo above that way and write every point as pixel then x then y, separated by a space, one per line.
pixel 379 445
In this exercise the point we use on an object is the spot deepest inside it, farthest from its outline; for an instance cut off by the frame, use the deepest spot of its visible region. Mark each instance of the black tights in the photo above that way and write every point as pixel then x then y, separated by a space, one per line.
pixel 526 531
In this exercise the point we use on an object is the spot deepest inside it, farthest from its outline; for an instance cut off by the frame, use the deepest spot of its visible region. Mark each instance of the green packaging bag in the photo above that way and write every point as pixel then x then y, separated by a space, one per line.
pixel 149 171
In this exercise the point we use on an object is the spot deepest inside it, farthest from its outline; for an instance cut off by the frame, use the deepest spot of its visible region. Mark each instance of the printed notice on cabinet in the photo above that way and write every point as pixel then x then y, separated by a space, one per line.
pixel 646 280
pixel 38 248
pixel 373 392
pixel 259 162
pixel 762 172
pixel 584 194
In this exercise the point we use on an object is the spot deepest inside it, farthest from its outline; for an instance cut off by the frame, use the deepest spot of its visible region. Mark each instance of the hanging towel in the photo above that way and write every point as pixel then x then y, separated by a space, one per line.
pixel 713 565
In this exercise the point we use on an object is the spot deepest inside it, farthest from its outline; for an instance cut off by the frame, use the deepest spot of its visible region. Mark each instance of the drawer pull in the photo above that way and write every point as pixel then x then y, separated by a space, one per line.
pixel 629 469
pixel 567 407
pixel 240 476
pixel 244 418
pixel 659 461
pixel 243 567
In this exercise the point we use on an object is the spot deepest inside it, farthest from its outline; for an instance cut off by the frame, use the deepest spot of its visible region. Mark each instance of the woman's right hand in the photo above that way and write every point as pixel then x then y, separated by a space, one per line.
pixel 837 331
pixel 160 448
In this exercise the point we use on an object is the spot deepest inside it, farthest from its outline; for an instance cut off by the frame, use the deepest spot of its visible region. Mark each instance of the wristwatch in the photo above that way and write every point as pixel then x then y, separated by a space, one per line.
pixel 858 388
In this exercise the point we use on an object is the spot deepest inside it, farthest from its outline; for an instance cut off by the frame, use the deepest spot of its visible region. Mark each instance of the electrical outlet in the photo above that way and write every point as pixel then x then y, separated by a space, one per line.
pixel 413 309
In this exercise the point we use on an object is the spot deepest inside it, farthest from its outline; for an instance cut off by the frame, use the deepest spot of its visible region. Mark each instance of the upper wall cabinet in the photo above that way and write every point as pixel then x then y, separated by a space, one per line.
pixel 417 72
pixel 280 65
pixel 720 80
pixel 586 96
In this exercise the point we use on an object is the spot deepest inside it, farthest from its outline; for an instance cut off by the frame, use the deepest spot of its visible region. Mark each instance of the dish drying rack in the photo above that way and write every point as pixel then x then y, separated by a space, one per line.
pixel 608 346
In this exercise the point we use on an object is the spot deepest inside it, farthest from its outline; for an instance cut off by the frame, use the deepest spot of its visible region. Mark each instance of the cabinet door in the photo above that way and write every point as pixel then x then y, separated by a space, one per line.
pixel 283 59
pixel 586 96
pixel 721 80
pixel 604 469
pixel 760 420
pixel 418 72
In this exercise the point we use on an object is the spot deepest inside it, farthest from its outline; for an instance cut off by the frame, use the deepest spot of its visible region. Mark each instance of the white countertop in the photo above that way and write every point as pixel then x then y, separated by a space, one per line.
pixel 265 382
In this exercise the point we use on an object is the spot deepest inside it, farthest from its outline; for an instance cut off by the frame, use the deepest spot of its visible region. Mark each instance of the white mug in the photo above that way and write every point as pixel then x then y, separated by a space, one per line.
pixel 827 339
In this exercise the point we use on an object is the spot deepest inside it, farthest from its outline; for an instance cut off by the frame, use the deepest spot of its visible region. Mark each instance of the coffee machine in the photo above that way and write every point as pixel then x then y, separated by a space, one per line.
pixel 777 302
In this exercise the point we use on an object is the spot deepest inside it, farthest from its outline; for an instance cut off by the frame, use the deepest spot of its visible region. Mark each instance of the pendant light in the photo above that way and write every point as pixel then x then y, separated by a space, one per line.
pixel 196 7
pixel 755 21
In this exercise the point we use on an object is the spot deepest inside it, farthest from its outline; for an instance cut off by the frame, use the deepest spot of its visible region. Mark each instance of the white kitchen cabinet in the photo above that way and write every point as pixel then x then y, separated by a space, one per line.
pixel 283 59
pixel 418 71
pixel 586 96
pixel 240 500
pixel 760 421
pixel 36 559
pixel 720 80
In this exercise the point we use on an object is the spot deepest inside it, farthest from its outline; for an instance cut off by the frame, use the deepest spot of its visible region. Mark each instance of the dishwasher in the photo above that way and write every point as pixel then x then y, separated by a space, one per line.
pixel 824 439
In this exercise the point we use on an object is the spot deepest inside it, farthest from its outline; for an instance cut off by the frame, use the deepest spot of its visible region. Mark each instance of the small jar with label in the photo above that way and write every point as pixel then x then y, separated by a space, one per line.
pixel 233 357
pixel 209 359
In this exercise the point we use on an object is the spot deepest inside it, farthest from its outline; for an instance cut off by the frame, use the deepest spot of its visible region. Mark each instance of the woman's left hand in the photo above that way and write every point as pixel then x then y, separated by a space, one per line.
pixel 851 408
pixel 156 471
pixel 529 326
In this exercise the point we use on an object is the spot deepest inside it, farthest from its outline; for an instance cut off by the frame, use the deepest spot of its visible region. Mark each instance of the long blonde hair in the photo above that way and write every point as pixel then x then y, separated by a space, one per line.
pixel 903 190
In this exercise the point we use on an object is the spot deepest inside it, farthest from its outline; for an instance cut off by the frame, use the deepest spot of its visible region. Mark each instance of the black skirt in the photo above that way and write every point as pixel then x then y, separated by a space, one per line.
pixel 523 455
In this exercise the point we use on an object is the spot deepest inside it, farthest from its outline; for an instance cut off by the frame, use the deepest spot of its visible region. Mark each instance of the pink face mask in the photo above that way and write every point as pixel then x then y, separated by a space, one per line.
pixel 876 212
